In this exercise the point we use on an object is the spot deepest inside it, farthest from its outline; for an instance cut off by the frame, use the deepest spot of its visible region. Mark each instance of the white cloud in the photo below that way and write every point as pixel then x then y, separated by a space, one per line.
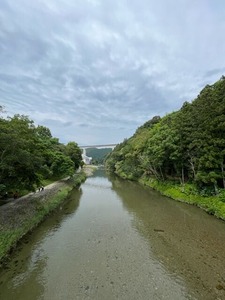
pixel 92 71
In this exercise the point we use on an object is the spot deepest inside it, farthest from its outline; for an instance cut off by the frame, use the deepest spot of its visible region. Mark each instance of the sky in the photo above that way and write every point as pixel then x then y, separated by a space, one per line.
pixel 93 71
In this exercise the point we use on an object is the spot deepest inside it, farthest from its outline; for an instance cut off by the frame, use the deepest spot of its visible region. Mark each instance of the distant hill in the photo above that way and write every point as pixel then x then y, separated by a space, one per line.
pixel 98 155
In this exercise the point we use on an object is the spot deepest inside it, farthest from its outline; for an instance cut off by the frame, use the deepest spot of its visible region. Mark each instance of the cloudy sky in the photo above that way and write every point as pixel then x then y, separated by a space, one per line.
pixel 94 70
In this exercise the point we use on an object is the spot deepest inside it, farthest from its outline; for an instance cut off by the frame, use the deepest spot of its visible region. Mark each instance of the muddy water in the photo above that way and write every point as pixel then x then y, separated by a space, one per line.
pixel 117 240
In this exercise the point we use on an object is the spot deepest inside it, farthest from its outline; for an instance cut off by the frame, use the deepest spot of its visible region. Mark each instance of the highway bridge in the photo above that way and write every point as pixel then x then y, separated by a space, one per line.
pixel 99 146
pixel 86 159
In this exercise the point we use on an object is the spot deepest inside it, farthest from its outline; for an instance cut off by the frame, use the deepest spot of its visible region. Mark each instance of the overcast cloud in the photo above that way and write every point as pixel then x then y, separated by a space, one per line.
pixel 94 70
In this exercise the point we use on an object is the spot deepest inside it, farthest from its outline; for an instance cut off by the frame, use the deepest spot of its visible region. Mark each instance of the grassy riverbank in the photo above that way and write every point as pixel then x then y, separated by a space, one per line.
pixel 9 235
pixel 214 205
pixel 20 217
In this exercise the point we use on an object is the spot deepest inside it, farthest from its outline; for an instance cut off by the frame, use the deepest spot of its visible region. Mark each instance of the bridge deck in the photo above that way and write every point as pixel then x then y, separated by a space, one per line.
pixel 99 146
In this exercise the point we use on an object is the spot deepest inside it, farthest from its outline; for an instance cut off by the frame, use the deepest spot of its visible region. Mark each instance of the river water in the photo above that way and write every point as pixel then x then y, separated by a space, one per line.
pixel 114 239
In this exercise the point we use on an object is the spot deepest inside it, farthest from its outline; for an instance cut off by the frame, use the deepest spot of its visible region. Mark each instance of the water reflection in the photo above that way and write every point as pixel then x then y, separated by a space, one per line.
pixel 188 242
pixel 24 272
pixel 72 203
pixel 121 241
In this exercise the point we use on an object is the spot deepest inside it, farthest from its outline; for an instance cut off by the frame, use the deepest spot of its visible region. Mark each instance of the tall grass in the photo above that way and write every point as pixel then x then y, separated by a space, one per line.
pixel 214 205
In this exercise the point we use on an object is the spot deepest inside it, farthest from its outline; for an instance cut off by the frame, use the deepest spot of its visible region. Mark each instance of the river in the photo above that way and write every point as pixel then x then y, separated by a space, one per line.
pixel 115 239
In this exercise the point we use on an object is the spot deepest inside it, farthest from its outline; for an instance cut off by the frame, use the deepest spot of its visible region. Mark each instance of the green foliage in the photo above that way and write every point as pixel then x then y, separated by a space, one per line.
pixel 184 146
pixel 35 213
pixel 7 240
pixel 10 237
pixel 2 187
pixel 29 154
pixel 78 179
pixel 74 152
pixel 98 155
pixel 188 193
pixel 61 165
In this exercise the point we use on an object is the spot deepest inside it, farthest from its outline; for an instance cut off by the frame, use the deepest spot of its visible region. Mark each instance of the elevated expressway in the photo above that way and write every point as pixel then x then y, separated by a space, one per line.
pixel 86 159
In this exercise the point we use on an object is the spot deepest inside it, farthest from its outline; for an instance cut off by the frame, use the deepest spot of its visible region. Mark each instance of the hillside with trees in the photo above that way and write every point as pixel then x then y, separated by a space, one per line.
pixel 98 155
pixel 186 147
pixel 29 154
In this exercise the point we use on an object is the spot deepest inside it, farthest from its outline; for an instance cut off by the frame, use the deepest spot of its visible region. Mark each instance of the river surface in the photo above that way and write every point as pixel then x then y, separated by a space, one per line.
pixel 115 239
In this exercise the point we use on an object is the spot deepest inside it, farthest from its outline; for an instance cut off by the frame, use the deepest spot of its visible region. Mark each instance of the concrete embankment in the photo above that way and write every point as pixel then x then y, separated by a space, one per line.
pixel 20 216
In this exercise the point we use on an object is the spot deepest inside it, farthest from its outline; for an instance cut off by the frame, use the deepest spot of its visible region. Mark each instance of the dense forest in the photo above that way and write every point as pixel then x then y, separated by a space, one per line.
pixel 98 155
pixel 186 146
pixel 29 154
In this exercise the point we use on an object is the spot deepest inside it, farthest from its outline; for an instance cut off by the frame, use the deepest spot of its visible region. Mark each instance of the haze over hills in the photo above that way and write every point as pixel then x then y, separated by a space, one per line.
pixel 98 155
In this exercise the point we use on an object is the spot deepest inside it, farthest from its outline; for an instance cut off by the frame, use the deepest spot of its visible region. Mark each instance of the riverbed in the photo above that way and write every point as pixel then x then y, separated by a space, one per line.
pixel 115 239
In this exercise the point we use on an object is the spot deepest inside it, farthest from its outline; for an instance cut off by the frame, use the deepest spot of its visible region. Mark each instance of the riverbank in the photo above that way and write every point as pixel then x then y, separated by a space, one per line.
pixel 214 205
pixel 20 216
pixel 114 239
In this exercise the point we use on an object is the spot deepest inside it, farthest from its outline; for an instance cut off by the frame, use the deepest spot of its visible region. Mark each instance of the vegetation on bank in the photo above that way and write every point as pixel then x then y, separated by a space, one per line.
pixel 10 237
pixel 32 212
pixel 30 158
pixel 182 154
pixel 29 155
pixel 214 205
pixel 77 179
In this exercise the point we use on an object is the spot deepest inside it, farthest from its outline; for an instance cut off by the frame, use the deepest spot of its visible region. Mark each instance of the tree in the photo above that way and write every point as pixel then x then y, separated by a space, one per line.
pixel 29 154
pixel 74 153
pixel 20 157
pixel 188 144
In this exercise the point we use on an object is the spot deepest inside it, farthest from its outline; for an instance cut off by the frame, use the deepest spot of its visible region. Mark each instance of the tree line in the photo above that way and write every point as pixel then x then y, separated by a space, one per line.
pixel 98 155
pixel 186 146
pixel 29 154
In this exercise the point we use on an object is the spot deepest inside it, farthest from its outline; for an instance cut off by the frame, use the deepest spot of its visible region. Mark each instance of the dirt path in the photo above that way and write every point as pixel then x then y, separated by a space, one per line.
pixel 15 212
